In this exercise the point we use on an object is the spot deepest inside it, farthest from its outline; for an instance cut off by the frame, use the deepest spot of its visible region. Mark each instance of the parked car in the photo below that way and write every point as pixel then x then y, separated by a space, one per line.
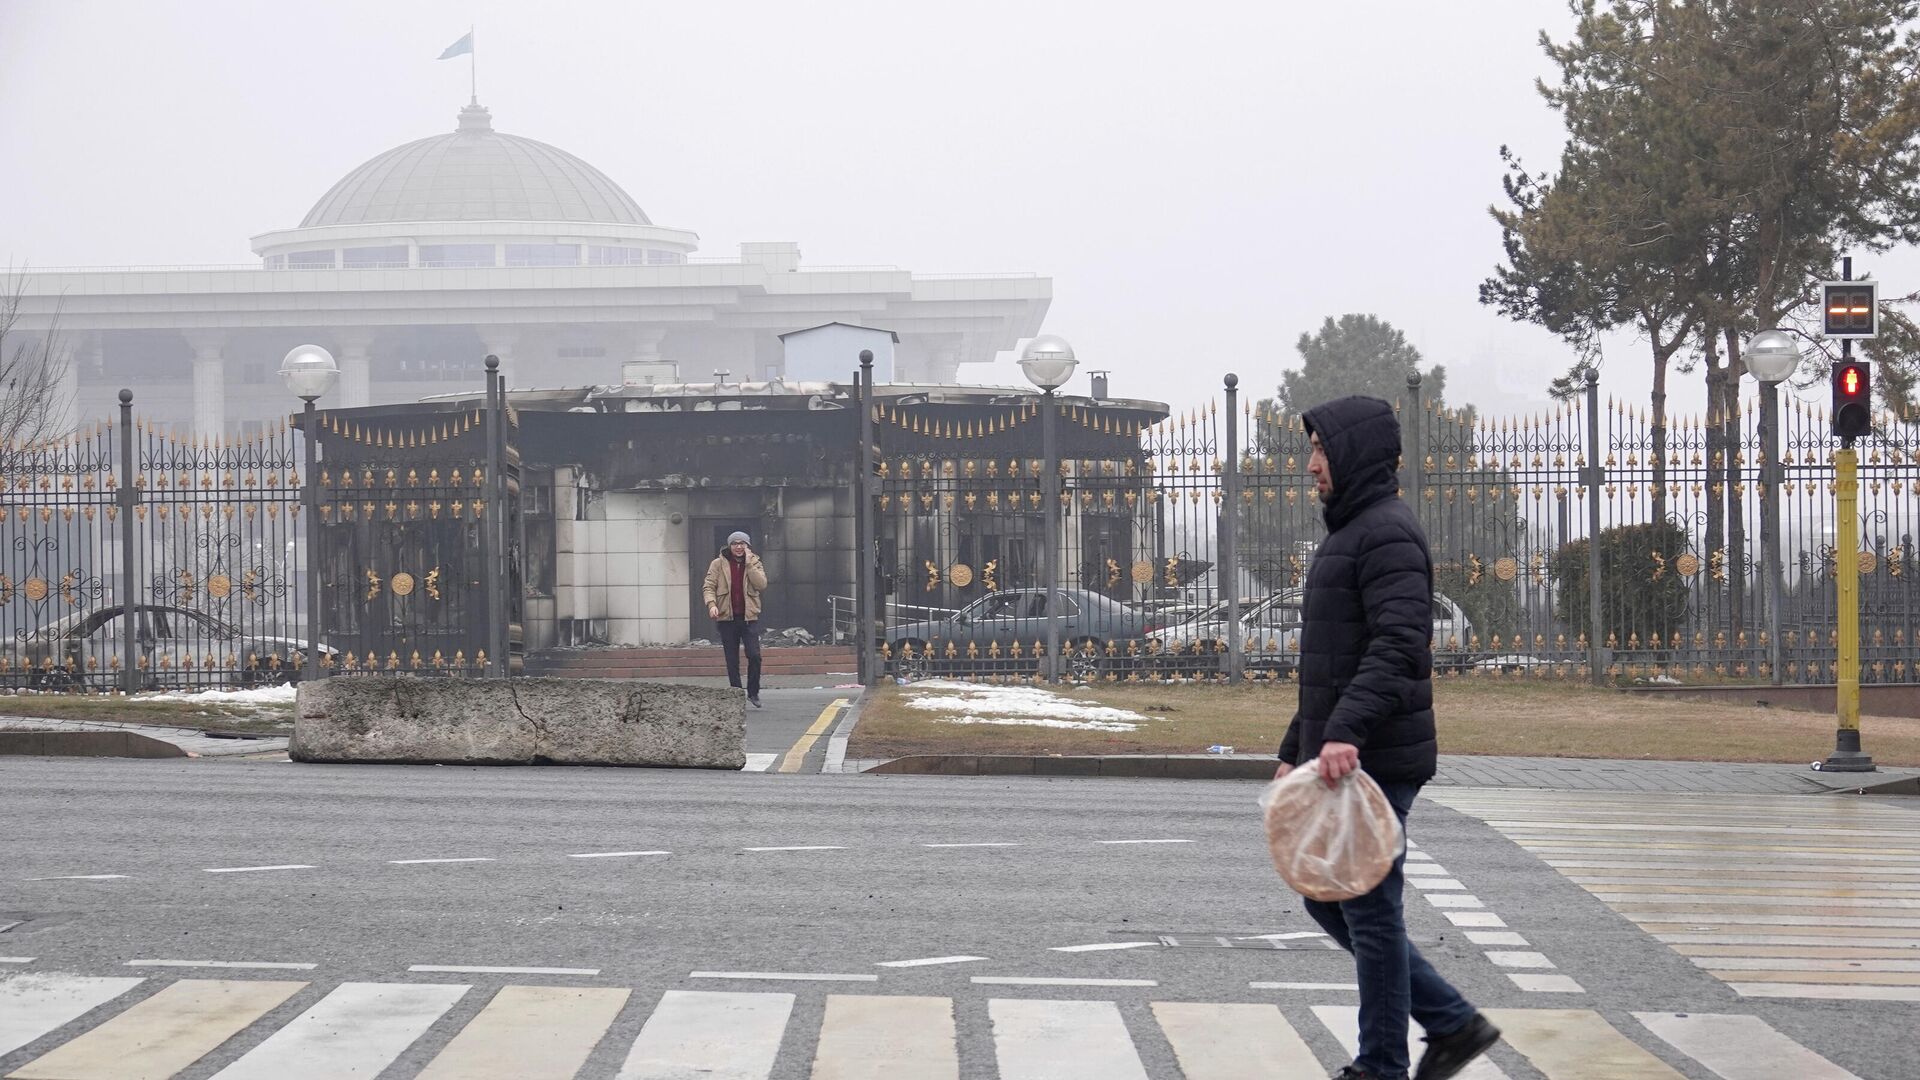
pixel 1270 634
pixel 1020 615
pixel 174 642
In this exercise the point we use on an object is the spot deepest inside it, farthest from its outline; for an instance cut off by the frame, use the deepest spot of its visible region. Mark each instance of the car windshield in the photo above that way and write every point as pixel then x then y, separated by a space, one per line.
pixel 997 606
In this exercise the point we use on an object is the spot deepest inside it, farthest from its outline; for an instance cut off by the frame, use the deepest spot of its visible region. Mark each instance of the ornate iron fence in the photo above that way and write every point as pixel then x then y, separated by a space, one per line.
pixel 1168 526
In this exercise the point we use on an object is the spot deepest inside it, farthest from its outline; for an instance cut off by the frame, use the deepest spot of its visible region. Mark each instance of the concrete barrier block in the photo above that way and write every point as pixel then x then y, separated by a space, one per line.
pixel 521 721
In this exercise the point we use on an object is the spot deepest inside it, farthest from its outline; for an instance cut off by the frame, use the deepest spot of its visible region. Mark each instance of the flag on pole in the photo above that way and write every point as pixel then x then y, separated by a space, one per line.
pixel 459 48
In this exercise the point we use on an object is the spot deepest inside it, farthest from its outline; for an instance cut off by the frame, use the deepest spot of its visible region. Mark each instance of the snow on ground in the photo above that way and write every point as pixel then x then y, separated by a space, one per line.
pixel 1026 706
pixel 263 695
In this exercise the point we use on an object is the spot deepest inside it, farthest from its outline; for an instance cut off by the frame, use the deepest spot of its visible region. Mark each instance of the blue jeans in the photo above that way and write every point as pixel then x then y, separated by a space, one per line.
pixel 1395 980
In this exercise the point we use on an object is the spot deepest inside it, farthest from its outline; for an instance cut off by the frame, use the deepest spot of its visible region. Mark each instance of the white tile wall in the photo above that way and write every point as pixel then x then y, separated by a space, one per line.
pixel 623 602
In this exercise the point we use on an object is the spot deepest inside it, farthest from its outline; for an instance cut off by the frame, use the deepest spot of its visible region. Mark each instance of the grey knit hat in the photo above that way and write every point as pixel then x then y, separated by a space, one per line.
pixel 739 538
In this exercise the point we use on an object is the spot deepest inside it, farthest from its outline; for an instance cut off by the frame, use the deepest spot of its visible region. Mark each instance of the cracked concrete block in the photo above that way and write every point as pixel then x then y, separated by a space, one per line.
pixel 521 721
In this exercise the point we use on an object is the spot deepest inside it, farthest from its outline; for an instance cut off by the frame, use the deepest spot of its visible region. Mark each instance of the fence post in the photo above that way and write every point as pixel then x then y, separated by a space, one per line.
pixel 1230 534
pixel 489 546
pixel 1595 477
pixel 863 528
pixel 128 496
pixel 1410 441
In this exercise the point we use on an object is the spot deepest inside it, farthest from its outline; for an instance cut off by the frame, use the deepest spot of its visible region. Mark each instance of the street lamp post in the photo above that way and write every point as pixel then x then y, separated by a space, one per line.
pixel 1772 356
pixel 309 372
pixel 1048 363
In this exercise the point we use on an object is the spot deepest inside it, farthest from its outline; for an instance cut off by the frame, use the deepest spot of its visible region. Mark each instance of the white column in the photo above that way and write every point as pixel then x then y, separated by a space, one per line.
pixel 356 369
pixel 209 382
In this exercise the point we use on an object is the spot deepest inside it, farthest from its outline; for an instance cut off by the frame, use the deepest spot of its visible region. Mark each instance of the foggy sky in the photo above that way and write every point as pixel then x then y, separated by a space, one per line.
pixel 1202 181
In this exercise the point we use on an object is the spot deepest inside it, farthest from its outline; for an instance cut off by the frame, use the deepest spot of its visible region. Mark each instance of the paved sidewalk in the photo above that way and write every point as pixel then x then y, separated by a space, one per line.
pixel 1705 777
pixel 193 740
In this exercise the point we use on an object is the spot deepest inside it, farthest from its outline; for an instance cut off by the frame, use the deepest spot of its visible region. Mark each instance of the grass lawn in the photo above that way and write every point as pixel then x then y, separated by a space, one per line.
pixel 1476 716
pixel 273 718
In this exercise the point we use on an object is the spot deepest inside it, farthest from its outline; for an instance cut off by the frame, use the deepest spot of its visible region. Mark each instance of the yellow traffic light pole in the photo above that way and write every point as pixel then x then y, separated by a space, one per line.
pixel 1847 755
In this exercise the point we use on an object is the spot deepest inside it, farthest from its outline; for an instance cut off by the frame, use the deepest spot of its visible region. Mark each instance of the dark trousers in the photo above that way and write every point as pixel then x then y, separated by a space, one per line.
pixel 733 634
pixel 1395 980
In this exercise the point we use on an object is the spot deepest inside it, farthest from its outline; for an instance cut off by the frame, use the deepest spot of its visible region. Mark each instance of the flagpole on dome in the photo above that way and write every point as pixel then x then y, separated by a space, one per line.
pixel 464 47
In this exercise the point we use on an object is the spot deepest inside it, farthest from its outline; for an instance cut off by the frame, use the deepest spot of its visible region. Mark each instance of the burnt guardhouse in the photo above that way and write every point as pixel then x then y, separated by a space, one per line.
pixel 619 497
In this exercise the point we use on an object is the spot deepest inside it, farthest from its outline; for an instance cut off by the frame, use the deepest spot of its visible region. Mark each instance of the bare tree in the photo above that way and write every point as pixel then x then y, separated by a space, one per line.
pixel 35 402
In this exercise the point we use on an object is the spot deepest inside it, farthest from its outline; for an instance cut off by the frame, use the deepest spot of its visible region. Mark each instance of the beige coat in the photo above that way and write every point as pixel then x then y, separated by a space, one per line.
pixel 718 590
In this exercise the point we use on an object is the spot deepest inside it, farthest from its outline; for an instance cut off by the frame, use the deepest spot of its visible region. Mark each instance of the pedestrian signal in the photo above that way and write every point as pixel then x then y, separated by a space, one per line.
pixel 1849 309
pixel 1852 399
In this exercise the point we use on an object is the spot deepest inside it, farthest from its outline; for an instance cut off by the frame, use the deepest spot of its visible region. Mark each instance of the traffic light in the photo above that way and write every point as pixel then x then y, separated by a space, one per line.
pixel 1849 309
pixel 1852 399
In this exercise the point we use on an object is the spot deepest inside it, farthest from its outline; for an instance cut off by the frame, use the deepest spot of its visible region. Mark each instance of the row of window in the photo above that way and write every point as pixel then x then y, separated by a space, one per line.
pixel 392 256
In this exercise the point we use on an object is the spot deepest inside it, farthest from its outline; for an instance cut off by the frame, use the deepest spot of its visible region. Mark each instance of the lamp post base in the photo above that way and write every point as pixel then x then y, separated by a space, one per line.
pixel 1847 755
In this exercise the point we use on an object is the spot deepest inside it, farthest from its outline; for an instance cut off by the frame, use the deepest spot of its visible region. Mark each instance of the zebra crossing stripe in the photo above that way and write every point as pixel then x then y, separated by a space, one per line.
pixel 356 1030
pixel 1062 1040
pixel 1233 1042
pixel 1344 1023
pixel 711 1035
pixel 884 1038
pixel 35 1004
pixel 1740 1047
pixel 529 1033
pixel 1577 1042
pixel 163 1034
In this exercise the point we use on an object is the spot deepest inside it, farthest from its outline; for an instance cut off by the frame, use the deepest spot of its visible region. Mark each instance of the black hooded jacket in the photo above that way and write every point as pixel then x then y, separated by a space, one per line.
pixel 1366 662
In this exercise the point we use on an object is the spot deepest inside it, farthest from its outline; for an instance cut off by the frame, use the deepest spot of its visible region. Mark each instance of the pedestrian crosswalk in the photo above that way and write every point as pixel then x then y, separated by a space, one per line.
pixel 1777 896
pixel 74 1027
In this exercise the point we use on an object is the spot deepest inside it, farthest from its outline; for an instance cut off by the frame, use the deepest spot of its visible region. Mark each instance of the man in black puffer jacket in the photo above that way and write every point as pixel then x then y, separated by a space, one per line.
pixel 1366 702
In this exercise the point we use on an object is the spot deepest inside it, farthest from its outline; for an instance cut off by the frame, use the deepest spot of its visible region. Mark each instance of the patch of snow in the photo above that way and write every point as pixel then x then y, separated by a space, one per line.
pixel 263 695
pixel 1018 705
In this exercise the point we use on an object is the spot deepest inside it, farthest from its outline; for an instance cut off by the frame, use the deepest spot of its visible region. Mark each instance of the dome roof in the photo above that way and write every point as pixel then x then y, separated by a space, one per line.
pixel 475 174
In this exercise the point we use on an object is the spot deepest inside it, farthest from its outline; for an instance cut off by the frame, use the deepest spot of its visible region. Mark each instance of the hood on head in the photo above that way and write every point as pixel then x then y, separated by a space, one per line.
pixel 1361 437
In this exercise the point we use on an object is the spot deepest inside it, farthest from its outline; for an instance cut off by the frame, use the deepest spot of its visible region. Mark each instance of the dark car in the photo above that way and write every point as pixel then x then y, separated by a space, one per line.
pixel 173 647
pixel 1088 623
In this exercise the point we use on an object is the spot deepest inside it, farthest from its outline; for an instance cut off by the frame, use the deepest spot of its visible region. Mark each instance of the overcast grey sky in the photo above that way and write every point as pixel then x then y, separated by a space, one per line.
pixel 1202 181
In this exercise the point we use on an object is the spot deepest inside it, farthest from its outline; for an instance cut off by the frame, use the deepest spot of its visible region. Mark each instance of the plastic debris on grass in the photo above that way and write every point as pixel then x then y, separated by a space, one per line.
pixel 1018 706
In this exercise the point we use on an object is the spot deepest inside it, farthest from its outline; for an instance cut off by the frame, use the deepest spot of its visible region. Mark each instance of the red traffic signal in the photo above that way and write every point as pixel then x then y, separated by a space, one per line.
pixel 1852 399
pixel 1849 309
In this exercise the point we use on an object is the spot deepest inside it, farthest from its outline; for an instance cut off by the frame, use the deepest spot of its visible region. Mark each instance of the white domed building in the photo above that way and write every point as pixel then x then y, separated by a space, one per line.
pixel 436 253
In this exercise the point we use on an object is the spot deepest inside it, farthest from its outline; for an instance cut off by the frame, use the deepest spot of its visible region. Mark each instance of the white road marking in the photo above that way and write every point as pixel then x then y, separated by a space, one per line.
pixel 1740 1047
pixel 356 1030
pixel 930 961
pixel 1294 935
pixel 799 847
pixel 261 964
pixel 1105 946
pixel 995 843
pixel 1450 900
pixel 1772 963
pixel 1143 841
pixel 81 877
pixel 16 959
pixel 1022 980
pixel 34 1003
pixel 422 862
pixel 1439 884
pixel 1302 986
pixel 1546 984
pixel 1474 918
pixel 759 762
pixel 530 1033
pixel 1423 869
pixel 615 854
pixel 696 1033
pixel 782 976
pixel 1826 991
pixel 1520 959
pixel 1495 937
pixel 883 1038
pixel 1417 856
pixel 164 1034
pixel 456 969
pixel 1062 1040
pixel 1577 1043
pixel 1233 1042
pixel 1343 1021
pixel 251 869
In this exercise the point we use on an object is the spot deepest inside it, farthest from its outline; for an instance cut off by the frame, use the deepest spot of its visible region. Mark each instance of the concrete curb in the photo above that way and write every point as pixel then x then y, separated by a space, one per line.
pixel 836 759
pixel 1163 766
pixel 125 744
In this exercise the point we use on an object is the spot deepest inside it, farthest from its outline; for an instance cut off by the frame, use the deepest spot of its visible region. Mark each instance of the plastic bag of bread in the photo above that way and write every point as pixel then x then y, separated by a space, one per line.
pixel 1330 843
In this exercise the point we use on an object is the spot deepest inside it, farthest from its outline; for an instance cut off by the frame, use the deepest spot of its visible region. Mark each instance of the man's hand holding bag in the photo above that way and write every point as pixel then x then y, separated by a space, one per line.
pixel 1330 843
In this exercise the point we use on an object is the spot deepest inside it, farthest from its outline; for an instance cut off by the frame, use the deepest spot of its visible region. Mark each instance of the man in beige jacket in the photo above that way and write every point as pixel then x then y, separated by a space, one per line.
pixel 734 583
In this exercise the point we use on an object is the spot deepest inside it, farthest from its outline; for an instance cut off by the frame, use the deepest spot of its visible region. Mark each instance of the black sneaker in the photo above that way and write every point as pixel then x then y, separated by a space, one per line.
pixel 754 701
pixel 1447 1054
pixel 1348 1072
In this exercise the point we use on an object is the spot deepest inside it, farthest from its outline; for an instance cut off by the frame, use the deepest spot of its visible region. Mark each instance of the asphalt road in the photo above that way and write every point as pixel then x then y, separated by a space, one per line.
pixel 779 874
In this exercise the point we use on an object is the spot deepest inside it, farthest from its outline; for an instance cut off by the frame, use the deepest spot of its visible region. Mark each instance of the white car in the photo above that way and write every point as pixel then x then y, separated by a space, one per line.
pixel 1270 631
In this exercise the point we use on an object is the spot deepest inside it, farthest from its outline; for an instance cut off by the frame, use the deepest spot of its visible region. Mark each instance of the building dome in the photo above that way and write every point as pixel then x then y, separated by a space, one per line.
pixel 475 174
